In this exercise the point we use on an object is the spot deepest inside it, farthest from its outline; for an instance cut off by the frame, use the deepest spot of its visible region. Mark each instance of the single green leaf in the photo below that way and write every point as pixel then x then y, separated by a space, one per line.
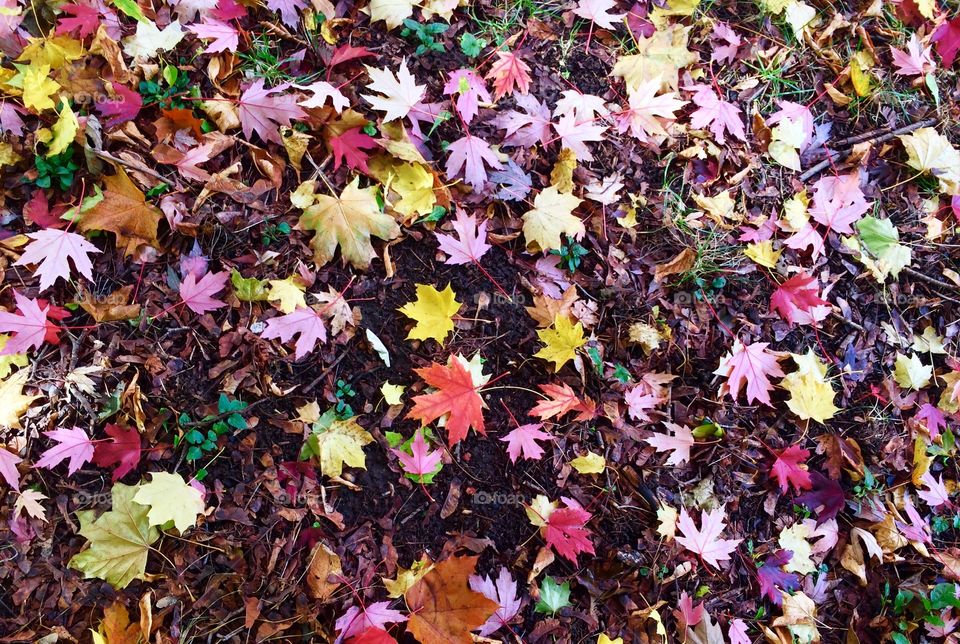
pixel 553 596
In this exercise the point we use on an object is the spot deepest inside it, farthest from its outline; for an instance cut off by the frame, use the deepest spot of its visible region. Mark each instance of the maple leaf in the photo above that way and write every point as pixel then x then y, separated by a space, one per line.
pixel 639 400
pixel 721 116
pixel 599 12
pixel 119 539
pixel 470 154
pixel 123 107
pixel 125 212
pixel 8 465
pixel 289 10
pixel 561 342
pixel 38 88
pixel 773 580
pixel 947 38
pixel 457 396
pixel 737 632
pixel 826 498
pixel 347 221
pixel 566 532
pixel 811 394
pixel 679 442
pixel 915 61
pixel 706 541
pixel 149 39
pixel 349 147
pixel 798 301
pixel 433 311
pixel 561 400
pixel 526 128
pixel 648 113
pixel 471 243
pixel 392 12
pixel 422 461
pixel 29 328
pixel 752 365
pixel 838 201
pixel 935 495
pixel 225 36
pixel 356 621
pixel 509 74
pixel 83 22
pixel 321 91
pixel 524 439
pixel 725 42
pixel 73 444
pixel 13 403
pixel 344 53
pixel 122 450
pixel 170 499
pixel 504 592
pixel 199 295
pixel 51 250
pixel 262 112
pixel 302 321
pixel 574 134
pixel 443 608
pixel 340 442
pixel 400 92
pixel 786 469
pixel 29 501
pixel 928 151
pixel 551 216
pixel 470 90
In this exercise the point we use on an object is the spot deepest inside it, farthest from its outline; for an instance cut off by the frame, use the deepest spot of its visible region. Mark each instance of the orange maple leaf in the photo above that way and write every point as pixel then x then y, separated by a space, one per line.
pixel 442 607
pixel 457 396
pixel 562 400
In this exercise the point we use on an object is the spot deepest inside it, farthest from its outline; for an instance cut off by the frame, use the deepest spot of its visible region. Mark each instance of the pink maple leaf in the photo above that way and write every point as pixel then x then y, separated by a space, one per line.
pixel 504 592
pixel 29 328
pixel 84 21
pixel 321 91
pixel 422 461
pixel 73 444
pixel 806 237
pixel 303 321
pixel 917 530
pixel 706 541
pixel 189 163
pixel 51 250
pixel 8 468
pixel 357 620
pixel 599 12
pixel 566 530
pixel 199 295
pixel 468 155
pixel 752 365
pixel 725 43
pixel 122 450
pixel 471 243
pixel 289 10
pixel 838 201
pixel 10 120
pixel 350 147
pixel 689 614
pixel 470 89
pixel 798 301
pixel 639 400
pixel 786 469
pixel 509 74
pixel 798 113
pixel 527 128
pixel 915 61
pixel 263 112
pixel 523 440
pixel 123 107
pixel 935 494
pixel 737 632
pixel 224 35
pixel 719 115
pixel 679 441
pixel 932 418
pixel 229 10
pixel 575 134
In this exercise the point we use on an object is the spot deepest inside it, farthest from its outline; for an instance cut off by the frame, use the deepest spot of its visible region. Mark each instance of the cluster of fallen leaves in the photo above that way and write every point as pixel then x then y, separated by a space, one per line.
pixel 342 141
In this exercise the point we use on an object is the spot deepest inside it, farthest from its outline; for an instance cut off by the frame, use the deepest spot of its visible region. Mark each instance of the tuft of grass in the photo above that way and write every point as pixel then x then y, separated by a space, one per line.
pixel 506 17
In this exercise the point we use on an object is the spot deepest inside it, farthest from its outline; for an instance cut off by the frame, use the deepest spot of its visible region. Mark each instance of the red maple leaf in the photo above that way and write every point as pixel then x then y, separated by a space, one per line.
pixel 827 495
pixel 562 400
pixel 947 37
pixel 457 396
pixel 84 22
pixel 39 212
pixel 124 107
pixel 786 469
pixel 773 579
pixel 566 530
pixel 372 636
pixel 122 450
pixel 344 53
pixel 798 299
pixel 350 147
pixel 507 72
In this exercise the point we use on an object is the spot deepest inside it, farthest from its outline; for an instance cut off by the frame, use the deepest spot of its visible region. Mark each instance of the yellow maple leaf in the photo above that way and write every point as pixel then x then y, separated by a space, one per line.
pixel 661 55
pixel 794 539
pixel 720 207
pixel 562 341
pixel 407 578
pixel 911 373
pixel 391 12
pixel 414 184
pixel 8 156
pixel 930 151
pixel 288 294
pixel 7 362
pixel 13 403
pixel 170 499
pixel 54 52
pixel 589 463
pixel 552 215
pixel 38 87
pixel 763 253
pixel 64 131
pixel 433 311
pixel 392 393
pixel 339 444
pixel 347 221
pixel 811 394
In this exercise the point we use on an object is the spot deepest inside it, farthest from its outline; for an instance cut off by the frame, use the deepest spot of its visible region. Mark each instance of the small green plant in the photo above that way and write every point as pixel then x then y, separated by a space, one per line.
pixel 709 290
pixel 471 45
pixel 868 486
pixel 571 254
pixel 170 92
pixel 58 170
pixel 201 442
pixel 274 232
pixel 342 393
pixel 911 608
pixel 426 34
